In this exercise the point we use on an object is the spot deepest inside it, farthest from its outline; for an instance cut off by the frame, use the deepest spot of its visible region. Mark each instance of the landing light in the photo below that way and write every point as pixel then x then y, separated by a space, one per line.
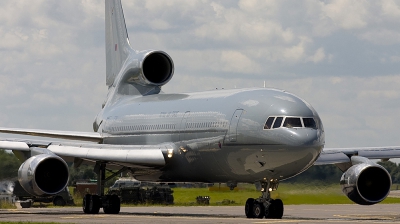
pixel 270 189
pixel 183 149
pixel 170 151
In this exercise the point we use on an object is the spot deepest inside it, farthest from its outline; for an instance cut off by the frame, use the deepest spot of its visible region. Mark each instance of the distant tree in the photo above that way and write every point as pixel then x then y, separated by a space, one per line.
pixel 8 166
pixel 325 173
pixel 332 174
pixel 393 169
pixel 86 173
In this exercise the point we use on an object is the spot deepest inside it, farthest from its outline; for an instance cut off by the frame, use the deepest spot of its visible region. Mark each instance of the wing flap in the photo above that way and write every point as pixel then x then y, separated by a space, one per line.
pixel 10 145
pixel 133 154
pixel 69 135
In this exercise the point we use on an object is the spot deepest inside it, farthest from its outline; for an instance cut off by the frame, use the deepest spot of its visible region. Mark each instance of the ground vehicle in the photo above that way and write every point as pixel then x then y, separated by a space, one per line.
pixel 61 199
pixel 136 192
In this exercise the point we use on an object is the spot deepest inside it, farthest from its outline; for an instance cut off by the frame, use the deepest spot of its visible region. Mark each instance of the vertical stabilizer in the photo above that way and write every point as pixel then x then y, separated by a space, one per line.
pixel 117 41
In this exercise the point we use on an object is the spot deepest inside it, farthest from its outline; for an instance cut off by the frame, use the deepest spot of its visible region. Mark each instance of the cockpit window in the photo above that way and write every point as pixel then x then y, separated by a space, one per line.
pixel 309 123
pixel 292 122
pixel 268 124
pixel 278 122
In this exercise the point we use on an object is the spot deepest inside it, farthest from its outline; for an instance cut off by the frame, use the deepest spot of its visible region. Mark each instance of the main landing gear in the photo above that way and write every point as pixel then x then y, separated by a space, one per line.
pixel 265 206
pixel 92 203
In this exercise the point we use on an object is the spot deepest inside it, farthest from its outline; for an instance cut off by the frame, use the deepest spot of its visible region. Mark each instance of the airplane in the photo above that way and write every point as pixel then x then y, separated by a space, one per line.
pixel 253 135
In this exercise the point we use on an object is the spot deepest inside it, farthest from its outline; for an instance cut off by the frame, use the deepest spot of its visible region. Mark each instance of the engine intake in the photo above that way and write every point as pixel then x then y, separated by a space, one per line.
pixel 366 183
pixel 43 174
pixel 157 68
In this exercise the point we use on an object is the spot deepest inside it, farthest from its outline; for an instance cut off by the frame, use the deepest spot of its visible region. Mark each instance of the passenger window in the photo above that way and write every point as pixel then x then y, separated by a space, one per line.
pixel 292 122
pixel 278 122
pixel 309 123
pixel 268 124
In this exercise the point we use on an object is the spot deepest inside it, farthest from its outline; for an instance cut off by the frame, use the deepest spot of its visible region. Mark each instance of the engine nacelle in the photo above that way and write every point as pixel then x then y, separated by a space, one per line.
pixel 366 183
pixel 43 174
pixel 149 68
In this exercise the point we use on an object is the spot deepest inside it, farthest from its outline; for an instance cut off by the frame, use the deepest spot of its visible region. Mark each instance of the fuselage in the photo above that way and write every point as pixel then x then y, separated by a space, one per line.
pixel 221 135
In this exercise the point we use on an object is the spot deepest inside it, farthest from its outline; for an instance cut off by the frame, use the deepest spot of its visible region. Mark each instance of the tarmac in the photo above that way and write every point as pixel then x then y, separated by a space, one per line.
pixel 380 213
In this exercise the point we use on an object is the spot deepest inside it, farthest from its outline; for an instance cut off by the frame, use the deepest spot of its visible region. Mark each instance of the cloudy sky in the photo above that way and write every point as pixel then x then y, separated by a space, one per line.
pixel 341 56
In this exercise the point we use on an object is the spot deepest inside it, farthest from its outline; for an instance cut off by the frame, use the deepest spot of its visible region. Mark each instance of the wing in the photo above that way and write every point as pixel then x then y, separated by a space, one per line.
pixel 70 135
pixel 343 155
pixel 138 156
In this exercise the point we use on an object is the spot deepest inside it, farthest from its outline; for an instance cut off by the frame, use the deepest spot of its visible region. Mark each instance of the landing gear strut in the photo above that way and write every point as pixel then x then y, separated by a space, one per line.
pixel 265 206
pixel 92 203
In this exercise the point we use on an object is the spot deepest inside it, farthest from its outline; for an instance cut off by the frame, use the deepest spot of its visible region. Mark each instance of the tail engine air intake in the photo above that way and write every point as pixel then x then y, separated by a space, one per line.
pixel 366 183
pixel 43 174
pixel 158 68
pixel 148 68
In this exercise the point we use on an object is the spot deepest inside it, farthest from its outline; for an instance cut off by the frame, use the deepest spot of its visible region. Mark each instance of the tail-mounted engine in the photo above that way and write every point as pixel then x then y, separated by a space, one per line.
pixel 365 182
pixel 157 68
pixel 43 174
pixel 148 68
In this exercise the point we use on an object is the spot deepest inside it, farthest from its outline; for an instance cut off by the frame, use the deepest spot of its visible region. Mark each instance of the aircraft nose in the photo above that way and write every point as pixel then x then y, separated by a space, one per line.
pixel 303 137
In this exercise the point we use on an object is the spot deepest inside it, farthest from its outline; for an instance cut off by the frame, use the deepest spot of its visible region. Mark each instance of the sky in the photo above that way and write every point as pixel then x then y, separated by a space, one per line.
pixel 343 57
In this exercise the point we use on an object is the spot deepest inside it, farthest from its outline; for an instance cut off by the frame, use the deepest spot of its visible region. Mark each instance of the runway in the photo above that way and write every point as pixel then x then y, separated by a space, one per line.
pixel 381 213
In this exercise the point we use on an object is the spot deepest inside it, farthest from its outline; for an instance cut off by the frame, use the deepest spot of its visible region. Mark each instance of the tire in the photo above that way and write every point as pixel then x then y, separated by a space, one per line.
pixel 94 204
pixel 270 212
pixel 278 209
pixel 116 204
pixel 59 201
pixel 258 210
pixel 248 208
pixel 27 204
pixel 113 205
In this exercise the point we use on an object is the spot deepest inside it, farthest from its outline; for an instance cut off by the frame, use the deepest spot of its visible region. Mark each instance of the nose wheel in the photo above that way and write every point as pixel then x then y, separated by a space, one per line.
pixel 265 206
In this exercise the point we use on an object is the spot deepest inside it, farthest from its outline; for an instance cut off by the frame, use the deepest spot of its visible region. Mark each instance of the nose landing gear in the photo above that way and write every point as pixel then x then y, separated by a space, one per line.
pixel 265 206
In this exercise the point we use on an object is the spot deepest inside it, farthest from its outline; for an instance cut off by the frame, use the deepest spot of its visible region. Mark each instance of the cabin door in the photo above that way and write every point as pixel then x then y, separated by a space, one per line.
pixel 232 133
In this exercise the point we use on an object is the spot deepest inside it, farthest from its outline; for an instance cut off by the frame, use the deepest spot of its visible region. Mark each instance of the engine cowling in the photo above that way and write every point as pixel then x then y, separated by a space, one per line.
pixel 157 68
pixel 149 68
pixel 43 174
pixel 366 183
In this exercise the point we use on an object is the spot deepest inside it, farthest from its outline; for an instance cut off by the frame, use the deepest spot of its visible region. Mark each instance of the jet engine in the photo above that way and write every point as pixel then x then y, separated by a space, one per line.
pixel 43 174
pixel 366 183
pixel 157 68
pixel 154 68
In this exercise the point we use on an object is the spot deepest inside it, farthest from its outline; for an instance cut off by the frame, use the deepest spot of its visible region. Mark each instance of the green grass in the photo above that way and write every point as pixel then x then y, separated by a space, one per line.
pixel 28 222
pixel 6 205
pixel 291 194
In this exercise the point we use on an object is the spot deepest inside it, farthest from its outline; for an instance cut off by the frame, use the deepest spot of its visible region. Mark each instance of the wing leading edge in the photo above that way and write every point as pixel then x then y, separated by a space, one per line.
pixel 136 155
pixel 343 155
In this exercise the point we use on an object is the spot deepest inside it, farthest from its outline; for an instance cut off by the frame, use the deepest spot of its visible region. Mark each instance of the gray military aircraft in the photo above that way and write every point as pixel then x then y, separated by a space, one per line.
pixel 256 135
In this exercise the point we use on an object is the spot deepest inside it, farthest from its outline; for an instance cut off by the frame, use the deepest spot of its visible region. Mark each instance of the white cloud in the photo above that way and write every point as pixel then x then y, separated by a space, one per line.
pixel 391 9
pixel 340 56
pixel 347 14
pixel 318 56
pixel 382 36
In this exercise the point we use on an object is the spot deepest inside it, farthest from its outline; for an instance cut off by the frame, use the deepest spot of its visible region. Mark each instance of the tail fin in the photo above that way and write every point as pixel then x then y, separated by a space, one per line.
pixel 117 41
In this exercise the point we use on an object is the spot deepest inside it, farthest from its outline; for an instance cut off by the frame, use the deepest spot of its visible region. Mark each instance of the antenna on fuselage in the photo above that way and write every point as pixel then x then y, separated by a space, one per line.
pixel 264 83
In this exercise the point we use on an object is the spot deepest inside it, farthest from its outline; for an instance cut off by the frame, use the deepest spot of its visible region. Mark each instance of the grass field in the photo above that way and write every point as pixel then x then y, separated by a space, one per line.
pixel 291 194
